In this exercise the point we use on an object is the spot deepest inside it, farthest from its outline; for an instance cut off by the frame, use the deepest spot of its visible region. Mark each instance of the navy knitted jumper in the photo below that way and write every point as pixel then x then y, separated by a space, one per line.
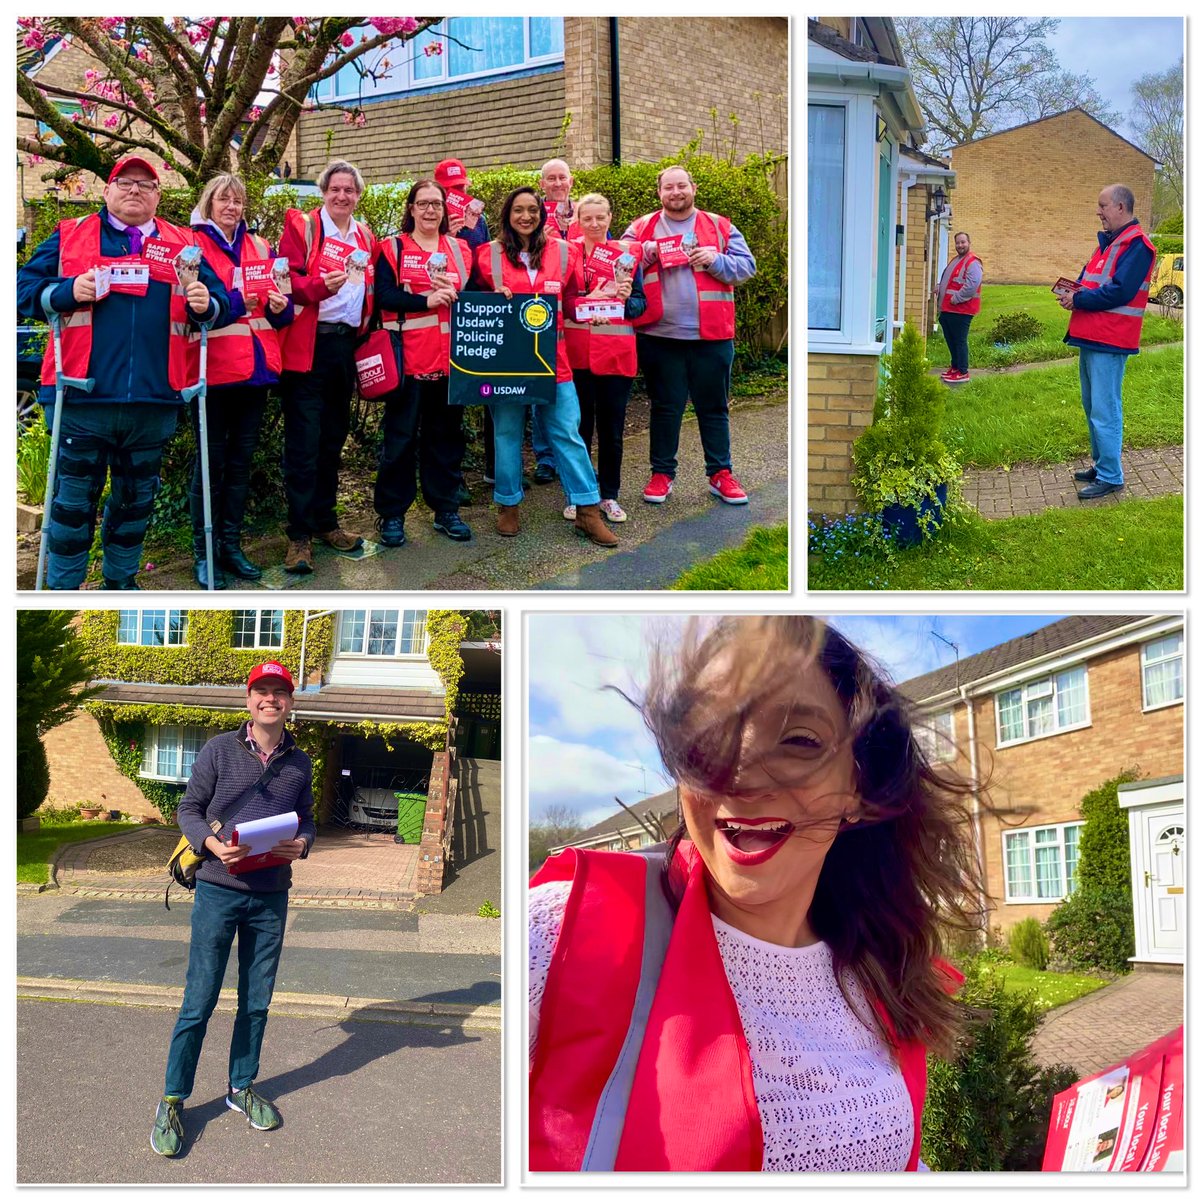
pixel 224 768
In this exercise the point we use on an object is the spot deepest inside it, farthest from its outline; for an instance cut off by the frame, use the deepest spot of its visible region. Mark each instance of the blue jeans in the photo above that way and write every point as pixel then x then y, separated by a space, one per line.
pixel 218 913
pixel 542 451
pixel 560 420
pixel 1100 377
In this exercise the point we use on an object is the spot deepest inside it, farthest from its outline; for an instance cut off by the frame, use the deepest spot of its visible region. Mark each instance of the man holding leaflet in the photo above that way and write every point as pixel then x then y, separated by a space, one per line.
pixel 247 774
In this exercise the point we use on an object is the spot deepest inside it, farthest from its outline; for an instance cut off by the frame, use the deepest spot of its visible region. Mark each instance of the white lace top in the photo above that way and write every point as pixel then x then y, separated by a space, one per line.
pixel 830 1095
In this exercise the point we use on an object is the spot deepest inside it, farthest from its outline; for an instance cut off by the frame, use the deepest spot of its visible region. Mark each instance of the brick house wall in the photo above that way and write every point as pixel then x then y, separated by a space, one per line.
pixel 841 400
pixel 916 236
pixel 82 770
pixel 1027 196
pixel 1041 782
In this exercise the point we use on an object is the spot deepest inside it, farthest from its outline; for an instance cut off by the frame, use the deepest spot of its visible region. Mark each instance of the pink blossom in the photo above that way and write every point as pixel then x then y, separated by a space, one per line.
pixel 254 113
pixel 390 26
pixel 32 160
pixel 347 39
pixel 35 39
pixel 111 121
pixel 360 119
pixel 432 49
pixel 203 110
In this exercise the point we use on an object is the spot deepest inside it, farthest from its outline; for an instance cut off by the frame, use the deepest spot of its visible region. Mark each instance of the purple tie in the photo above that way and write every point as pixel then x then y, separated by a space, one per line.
pixel 135 239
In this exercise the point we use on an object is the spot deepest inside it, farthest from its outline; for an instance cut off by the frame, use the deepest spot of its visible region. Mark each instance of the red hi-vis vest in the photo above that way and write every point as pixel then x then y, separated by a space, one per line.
pixel 299 339
pixel 560 261
pixel 604 349
pixel 1120 327
pixel 79 252
pixel 955 282
pixel 426 334
pixel 716 298
pixel 689 1081
pixel 231 350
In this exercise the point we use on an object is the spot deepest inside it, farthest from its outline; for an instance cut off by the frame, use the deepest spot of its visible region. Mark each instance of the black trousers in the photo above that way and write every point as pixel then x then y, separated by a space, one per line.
pixel 420 427
pixel 955 327
pixel 234 417
pixel 316 420
pixel 602 403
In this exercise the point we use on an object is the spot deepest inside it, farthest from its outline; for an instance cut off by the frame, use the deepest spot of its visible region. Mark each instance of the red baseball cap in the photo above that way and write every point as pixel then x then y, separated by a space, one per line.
pixel 131 160
pixel 451 173
pixel 271 670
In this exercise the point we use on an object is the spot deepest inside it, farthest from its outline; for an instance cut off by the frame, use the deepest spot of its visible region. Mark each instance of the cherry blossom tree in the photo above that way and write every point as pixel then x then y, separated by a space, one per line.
pixel 205 94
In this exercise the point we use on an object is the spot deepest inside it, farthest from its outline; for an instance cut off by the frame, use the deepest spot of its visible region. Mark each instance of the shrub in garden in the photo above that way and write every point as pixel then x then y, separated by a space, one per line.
pixel 1032 1123
pixel 1029 944
pixel 1093 928
pixel 1171 225
pixel 1017 326
pixel 1165 244
pixel 33 775
pixel 980 1106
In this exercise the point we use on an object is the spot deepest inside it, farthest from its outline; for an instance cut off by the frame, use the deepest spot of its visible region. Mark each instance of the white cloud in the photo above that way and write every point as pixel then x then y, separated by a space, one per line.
pixel 904 645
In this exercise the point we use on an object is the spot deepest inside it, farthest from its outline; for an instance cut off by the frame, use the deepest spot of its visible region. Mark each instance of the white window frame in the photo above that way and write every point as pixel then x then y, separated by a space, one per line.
pixel 181 613
pixel 935 734
pixel 1060 827
pixel 1024 689
pixel 1146 705
pixel 258 643
pixel 151 746
pixel 364 653
pixel 401 81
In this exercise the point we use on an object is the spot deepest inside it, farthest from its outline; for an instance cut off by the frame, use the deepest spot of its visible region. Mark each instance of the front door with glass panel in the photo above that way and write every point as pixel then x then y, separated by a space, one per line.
pixel 1165 880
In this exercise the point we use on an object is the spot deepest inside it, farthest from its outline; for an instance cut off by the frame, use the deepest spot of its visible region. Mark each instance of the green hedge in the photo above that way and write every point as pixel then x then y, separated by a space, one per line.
pixel 1167 244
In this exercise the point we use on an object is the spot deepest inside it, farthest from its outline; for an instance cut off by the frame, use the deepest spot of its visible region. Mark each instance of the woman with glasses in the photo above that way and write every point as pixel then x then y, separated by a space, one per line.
pixel 243 364
pixel 758 993
pixel 522 260
pixel 418 276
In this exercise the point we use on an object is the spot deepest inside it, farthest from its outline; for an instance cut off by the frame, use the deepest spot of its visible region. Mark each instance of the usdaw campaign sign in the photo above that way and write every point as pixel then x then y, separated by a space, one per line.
pixel 503 351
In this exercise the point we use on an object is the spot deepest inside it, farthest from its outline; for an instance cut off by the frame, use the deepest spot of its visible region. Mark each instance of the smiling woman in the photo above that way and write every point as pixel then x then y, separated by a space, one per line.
pixel 779 955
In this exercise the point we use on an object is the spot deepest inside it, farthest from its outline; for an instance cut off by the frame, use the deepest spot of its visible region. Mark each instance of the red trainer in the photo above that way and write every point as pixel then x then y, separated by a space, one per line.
pixel 657 490
pixel 953 376
pixel 725 487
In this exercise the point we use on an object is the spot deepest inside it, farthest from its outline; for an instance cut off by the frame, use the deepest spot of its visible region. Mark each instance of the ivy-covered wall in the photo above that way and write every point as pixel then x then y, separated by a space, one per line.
pixel 210 658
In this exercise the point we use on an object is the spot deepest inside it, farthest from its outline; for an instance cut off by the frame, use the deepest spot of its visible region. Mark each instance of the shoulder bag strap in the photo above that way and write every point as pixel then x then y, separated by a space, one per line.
pixel 259 784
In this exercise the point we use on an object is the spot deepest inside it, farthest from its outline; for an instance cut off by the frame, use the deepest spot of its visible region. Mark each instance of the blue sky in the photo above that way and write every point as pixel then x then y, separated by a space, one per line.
pixel 1115 51
pixel 587 744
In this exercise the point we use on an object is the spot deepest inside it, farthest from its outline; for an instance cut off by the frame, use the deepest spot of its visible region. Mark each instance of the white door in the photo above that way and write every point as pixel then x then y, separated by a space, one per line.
pixel 1165 842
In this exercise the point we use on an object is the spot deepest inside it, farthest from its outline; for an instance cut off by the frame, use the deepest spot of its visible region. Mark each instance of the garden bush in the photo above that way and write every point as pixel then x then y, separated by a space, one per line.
pixel 984 1108
pixel 1019 326
pixel 1029 944
pixel 1093 928
pixel 1166 244
pixel 33 774
pixel 1171 225
pixel 33 459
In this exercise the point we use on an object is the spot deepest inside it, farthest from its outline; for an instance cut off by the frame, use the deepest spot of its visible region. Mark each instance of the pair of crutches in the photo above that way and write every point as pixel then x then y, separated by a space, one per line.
pixel 198 392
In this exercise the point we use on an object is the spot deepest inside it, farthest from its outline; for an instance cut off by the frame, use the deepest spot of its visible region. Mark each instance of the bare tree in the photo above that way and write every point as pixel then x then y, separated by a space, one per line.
pixel 978 75
pixel 556 826
pixel 204 94
pixel 1157 122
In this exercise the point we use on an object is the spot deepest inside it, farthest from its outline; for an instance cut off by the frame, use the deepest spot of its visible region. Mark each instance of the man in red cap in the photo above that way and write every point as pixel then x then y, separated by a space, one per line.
pixel 136 335
pixel 471 226
pixel 253 772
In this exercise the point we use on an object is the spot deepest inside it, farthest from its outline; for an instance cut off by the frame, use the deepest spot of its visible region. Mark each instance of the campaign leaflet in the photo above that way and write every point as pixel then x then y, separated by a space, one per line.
pixel 602 262
pixel 358 265
pixel 421 271
pixel 1066 287
pixel 457 204
pixel 590 308
pixel 671 252
pixel 160 258
pixel 187 266
pixel 261 277
pixel 1127 1118
pixel 128 274
pixel 334 255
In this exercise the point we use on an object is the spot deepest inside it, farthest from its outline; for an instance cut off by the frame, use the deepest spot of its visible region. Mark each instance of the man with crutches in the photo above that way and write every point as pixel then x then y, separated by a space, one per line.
pixel 130 296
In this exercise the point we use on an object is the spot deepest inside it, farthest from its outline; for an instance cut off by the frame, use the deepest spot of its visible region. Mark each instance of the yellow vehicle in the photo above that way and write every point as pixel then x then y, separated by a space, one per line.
pixel 1167 285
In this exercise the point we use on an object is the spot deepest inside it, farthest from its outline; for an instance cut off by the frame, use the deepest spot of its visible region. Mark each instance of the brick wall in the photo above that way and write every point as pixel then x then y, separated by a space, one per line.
pixel 513 121
pixel 1028 196
pixel 916 233
pixel 82 770
pixel 431 864
pixel 1049 776
pixel 841 399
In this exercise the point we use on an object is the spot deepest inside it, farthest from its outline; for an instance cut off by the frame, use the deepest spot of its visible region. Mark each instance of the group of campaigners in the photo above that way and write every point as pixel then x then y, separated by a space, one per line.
pixel 135 333
pixel 1107 303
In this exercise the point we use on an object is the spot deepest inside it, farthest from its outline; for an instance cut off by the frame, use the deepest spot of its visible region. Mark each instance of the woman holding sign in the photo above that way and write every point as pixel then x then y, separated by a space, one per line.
pixel 243 363
pixel 418 276
pixel 524 261
pixel 601 344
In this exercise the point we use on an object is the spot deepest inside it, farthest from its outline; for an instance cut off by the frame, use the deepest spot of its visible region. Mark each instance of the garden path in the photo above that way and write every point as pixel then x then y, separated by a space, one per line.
pixel 1020 368
pixel 1101 1029
pixel 1019 491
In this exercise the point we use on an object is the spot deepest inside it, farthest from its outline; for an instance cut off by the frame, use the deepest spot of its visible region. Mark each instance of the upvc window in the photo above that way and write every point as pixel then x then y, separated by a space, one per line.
pixel 1042 707
pixel 169 752
pixel 1162 671
pixel 936 736
pixel 258 628
pixel 826 191
pixel 1041 864
pixel 382 632
pixel 456 50
pixel 152 627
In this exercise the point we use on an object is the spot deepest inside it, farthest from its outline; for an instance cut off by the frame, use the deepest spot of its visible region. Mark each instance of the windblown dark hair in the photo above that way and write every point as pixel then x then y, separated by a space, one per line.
pixel 895 884
pixel 409 223
pixel 510 243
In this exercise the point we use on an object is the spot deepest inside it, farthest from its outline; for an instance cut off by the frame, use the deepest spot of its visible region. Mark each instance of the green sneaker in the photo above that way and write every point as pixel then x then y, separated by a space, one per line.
pixel 167 1136
pixel 261 1113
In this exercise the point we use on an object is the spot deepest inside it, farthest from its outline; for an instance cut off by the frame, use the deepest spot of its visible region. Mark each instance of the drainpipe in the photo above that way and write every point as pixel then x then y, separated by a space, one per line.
pixel 614 85
pixel 973 754
pixel 898 319
pixel 304 639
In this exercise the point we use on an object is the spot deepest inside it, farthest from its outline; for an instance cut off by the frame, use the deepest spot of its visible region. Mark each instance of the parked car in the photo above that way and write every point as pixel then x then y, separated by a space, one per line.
pixel 1167 285
pixel 30 341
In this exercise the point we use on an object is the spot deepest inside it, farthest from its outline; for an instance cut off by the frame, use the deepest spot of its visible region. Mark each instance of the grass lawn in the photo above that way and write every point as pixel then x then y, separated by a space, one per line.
pixel 1052 988
pixel 1136 545
pixel 1036 416
pixel 760 563
pixel 1041 303
pixel 35 850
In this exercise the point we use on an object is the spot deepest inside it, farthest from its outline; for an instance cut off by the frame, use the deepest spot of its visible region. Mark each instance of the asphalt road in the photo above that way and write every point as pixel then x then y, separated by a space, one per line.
pixel 362 1102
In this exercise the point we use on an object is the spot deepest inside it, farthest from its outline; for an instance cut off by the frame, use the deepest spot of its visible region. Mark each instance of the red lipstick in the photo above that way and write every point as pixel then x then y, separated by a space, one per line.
pixel 750 841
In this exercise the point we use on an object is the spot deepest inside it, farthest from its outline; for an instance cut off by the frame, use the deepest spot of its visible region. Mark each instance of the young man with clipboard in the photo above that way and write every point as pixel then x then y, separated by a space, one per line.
pixel 247 775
